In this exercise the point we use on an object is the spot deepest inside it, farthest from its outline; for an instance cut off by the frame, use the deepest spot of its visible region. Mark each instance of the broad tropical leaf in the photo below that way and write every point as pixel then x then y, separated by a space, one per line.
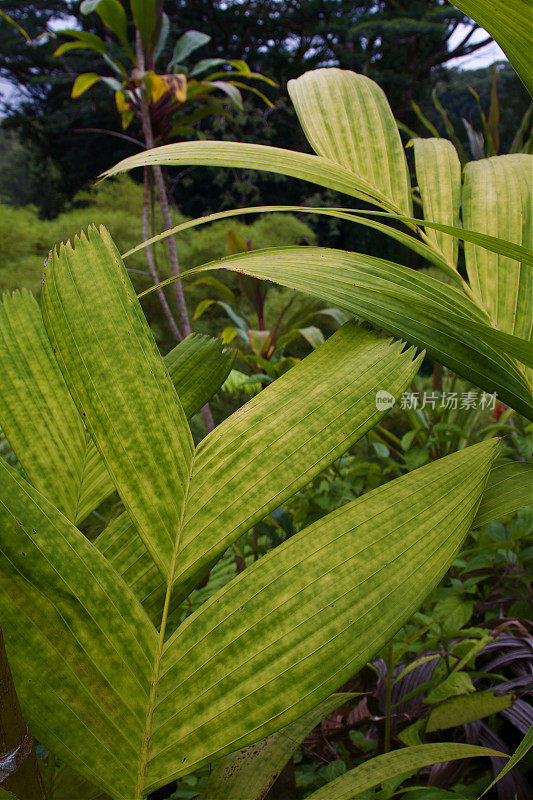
pixel 392 765
pixel 249 774
pixel 255 657
pixel 438 173
pixel 403 303
pixel 510 23
pixel 364 139
pixel 42 423
pixel 355 575
pixel 119 382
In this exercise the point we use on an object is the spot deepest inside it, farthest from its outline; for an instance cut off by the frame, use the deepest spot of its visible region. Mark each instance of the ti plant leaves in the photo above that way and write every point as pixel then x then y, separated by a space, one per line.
pixel 131 705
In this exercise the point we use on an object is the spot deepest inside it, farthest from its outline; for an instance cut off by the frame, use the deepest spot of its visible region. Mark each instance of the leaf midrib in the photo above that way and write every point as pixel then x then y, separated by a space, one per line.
pixel 144 755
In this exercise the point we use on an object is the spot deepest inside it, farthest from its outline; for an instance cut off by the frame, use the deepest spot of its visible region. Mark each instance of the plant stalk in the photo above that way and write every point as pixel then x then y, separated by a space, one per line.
pixel 162 195
pixel 20 774
pixel 151 266
pixel 159 181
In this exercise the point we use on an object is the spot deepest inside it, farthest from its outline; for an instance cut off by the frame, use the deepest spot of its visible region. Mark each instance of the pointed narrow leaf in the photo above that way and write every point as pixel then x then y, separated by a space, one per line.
pixel 278 639
pixel 523 748
pixel 509 489
pixel 392 765
pixel 187 44
pixel 79 643
pixel 84 36
pixel 438 173
pixel 84 82
pixel 363 138
pixel 400 301
pixel 310 168
pixel 118 380
pixel 112 14
pixel 249 774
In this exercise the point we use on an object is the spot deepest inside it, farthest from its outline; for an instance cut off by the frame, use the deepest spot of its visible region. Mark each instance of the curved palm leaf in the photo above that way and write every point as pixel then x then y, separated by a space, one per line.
pixel 392 765
pixel 371 148
pixel 314 169
pixel 403 303
pixel 510 23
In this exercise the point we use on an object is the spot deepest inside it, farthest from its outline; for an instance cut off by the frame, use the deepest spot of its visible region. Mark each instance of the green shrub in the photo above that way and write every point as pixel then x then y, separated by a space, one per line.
pixel 117 204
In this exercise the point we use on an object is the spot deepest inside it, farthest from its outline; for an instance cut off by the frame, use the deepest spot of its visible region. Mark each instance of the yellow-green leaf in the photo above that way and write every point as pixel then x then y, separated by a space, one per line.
pixel 438 173
pixel 118 380
pixel 84 82
pixel 497 199
pixel 363 138
pixel 466 708
pixel 392 765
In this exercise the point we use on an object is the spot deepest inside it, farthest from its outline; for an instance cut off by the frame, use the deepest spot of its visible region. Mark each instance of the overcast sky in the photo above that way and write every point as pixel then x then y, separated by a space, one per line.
pixel 481 58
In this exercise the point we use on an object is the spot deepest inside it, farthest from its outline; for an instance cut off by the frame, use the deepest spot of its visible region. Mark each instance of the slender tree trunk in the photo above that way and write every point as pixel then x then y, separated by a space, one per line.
pixel 151 266
pixel 20 774
pixel 163 198
pixel 167 221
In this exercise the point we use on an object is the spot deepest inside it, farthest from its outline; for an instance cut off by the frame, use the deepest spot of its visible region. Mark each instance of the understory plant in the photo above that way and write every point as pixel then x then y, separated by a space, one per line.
pixel 260 340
